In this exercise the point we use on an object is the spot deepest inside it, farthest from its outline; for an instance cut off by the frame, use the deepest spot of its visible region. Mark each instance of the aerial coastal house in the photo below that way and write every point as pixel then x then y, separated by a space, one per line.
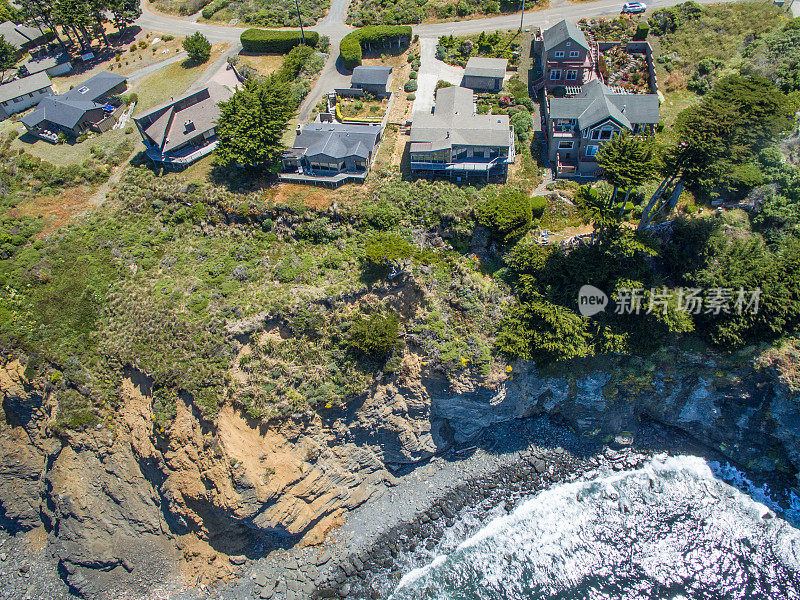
pixel 331 153
pixel 53 65
pixel 374 80
pixel 90 106
pixel 21 94
pixel 183 130
pixel 567 58
pixel 455 142
pixel 22 37
pixel 578 126
pixel 485 74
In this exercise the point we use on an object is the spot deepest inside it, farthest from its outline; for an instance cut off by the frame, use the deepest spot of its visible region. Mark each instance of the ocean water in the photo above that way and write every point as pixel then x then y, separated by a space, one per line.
pixel 672 530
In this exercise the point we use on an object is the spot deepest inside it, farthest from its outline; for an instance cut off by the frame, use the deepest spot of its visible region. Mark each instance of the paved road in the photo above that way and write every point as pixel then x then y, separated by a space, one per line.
pixel 333 25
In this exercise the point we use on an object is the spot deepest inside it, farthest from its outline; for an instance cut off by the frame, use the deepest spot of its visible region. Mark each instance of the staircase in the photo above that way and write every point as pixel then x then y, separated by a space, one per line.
pixel 618 75
pixel 594 53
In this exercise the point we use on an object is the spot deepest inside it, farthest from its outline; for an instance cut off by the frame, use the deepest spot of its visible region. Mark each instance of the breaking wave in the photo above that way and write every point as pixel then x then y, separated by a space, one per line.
pixel 671 530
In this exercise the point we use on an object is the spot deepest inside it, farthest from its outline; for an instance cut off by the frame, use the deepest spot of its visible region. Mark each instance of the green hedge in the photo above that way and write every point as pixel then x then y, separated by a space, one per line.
pixel 351 45
pixel 265 40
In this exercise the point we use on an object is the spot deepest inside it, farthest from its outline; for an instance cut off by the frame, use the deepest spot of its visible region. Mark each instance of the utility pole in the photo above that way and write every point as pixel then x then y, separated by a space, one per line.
pixel 521 16
pixel 300 18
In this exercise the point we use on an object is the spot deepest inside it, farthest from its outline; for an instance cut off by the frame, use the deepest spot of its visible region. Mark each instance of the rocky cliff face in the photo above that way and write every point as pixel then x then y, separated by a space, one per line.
pixel 127 506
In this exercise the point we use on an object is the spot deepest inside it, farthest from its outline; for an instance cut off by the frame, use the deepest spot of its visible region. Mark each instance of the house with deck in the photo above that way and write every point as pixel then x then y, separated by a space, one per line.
pixel 485 74
pixel 183 130
pixel 456 142
pixel 331 154
pixel 21 94
pixel 579 125
pixel 567 58
pixel 93 105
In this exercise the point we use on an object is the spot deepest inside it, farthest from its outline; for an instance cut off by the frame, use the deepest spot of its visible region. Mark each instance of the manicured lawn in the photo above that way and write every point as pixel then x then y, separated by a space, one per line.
pixel 171 80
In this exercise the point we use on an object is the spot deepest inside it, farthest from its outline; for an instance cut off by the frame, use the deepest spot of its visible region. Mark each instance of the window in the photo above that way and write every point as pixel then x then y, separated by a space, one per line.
pixel 602 134
pixel 569 43
pixel 572 75
pixel 559 54
pixel 591 150
pixel 565 145
pixel 555 74
pixel 574 53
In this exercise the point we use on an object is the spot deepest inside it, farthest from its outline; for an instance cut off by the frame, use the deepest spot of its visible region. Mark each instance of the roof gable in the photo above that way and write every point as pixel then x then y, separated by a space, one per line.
pixel 561 32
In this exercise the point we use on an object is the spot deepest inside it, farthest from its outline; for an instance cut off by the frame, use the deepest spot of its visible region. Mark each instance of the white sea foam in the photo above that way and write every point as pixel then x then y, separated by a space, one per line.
pixel 671 526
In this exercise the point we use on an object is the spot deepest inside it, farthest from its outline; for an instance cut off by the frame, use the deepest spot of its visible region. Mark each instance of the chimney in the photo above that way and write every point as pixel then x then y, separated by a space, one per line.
pixel 624 106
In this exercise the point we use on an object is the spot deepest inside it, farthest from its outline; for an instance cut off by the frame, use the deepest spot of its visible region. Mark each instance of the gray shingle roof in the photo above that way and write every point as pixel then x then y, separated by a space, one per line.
pixel 68 109
pixel 337 140
pixel 25 85
pixel 454 122
pixel 596 102
pixel 561 32
pixel 371 75
pixel 60 111
pixel 478 66
pixel 176 122
pixel 48 62
pixel 94 87
pixel 18 35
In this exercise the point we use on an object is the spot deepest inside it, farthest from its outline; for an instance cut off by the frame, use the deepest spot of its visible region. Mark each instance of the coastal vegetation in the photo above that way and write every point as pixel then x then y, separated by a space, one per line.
pixel 397 12
pixel 223 289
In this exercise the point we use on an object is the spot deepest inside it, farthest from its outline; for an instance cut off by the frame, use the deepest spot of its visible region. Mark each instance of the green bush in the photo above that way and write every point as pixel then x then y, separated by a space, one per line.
pixel 642 29
pixel 374 335
pixel 538 204
pixel 197 47
pixel 507 214
pixel 215 6
pixel 377 35
pixel 263 40
pixel 412 75
pixel 410 86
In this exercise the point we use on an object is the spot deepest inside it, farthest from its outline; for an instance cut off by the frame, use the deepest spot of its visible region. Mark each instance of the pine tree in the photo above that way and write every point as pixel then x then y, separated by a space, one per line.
pixel 252 123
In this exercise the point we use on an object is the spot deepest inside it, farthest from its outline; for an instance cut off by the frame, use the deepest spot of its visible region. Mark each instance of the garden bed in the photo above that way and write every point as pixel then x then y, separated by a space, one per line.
pixel 624 70
pixel 366 107
pixel 457 50
pixel 618 29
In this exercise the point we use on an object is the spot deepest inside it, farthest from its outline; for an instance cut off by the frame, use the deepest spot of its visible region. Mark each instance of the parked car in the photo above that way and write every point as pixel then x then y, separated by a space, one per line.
pixel 634 8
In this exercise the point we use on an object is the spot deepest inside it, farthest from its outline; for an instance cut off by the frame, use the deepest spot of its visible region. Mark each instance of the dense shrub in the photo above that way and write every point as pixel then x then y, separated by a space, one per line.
pixel 508 214
pixel 410 86
pixel 538 204
pixel 215 6
pixel 642 30
pixel 197 47
pixel 350 48
pixel 374 335
pixel 263 40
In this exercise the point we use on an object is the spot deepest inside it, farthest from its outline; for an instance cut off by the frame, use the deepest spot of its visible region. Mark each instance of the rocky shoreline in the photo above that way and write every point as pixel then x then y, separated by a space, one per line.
pixel 364 559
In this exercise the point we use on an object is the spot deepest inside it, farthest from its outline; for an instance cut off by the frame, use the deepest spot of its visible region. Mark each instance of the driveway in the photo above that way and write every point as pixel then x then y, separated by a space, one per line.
pixel 431 70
